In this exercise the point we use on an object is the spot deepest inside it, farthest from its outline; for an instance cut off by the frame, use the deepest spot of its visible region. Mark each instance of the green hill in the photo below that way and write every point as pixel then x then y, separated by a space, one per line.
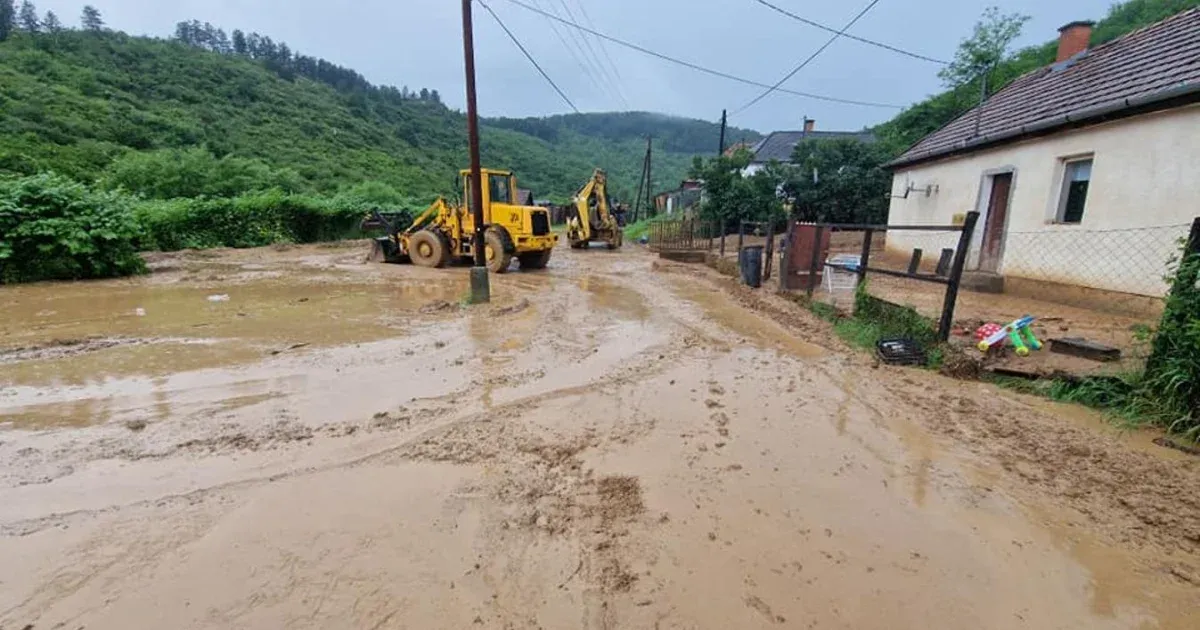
pixel 102 106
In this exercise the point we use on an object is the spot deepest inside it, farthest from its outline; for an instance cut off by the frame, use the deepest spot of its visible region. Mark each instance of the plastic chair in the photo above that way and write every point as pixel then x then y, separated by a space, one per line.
pixel 841 279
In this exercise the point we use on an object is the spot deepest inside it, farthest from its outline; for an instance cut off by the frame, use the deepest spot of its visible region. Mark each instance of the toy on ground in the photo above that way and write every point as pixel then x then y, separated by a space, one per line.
pixel 1018 334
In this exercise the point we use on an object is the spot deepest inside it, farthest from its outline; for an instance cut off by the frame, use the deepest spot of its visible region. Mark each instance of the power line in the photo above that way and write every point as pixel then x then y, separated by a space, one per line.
pixel 612 84
pixel 699 68
pixel 571 49
pixel 599 42
pixel 528 56
pixel 847 36
pixel 809 59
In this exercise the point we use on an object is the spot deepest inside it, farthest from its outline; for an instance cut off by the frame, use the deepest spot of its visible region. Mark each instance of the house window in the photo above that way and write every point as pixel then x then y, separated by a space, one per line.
pixel 1077 174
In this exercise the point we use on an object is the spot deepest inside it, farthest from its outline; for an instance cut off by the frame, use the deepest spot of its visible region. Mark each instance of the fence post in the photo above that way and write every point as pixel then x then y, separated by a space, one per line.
pixel 741 235
pixel 864 258
pixel 960 260
pixel 769 251
pixel 723 226
pixel 914 263
pixel 785 258
pixel 819 236
pixel 709 228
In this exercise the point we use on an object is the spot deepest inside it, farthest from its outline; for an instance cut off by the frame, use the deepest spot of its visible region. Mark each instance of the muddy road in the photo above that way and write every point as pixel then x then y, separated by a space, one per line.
pixel 292 438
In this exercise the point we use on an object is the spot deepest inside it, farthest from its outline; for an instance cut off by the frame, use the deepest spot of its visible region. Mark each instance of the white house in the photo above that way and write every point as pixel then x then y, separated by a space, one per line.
pixel 1084 172
pixel 778 146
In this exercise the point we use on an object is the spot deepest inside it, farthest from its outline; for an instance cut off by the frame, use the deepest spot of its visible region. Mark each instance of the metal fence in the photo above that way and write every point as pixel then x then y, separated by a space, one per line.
pixel 683 235
pixel 1130 260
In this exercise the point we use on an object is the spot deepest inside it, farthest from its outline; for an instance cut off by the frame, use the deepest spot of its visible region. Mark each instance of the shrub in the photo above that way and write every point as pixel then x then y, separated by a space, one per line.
pixel 1173 371
pixel 174 173
pixel 247 221
pixel 52 228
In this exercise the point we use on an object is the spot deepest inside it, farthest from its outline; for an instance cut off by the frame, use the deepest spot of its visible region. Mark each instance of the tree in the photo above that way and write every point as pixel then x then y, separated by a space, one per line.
pixel 51 23
pixel 91 19
pixel 8 16
pixel 985 48
pixel 730 197
pixel 839 180
pixel 239 42
pixel 424 94
pixel 434 96
pixel 29 18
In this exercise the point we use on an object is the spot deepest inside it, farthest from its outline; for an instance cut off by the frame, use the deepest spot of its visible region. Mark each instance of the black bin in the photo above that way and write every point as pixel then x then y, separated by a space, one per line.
pixel 750 263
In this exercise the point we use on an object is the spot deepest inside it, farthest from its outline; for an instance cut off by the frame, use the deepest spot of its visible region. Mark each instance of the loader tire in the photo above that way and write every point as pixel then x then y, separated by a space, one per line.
pixel 497 255
pixel 534 260
pixel 428 249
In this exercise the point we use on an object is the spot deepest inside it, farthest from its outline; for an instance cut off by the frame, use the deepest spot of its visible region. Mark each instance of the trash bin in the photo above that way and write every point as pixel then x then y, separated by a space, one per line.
pixel 750 259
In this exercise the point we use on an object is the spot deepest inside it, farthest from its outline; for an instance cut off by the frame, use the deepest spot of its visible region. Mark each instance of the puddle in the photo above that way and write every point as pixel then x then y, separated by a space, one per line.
pixel 606 295
pixel 760 331
pixel 48 321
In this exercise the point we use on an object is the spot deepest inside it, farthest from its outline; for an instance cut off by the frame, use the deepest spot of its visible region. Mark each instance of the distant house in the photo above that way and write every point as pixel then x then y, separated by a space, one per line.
pixel 1084 172
pixel 778 146
pixel 681 200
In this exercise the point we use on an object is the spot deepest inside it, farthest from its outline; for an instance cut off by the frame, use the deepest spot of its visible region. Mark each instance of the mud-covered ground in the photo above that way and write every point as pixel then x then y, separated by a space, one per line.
pixel 293 438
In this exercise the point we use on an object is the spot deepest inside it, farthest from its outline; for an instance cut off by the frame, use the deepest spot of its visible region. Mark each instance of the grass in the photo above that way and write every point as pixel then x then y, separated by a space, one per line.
pixel 874 319
pixel 635 231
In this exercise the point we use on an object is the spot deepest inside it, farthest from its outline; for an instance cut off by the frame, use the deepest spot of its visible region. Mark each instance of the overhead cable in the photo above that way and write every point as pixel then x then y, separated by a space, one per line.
pixel 848 36
pixel 808 60
pixel 528 56
pixel 699 68
pixel 569 48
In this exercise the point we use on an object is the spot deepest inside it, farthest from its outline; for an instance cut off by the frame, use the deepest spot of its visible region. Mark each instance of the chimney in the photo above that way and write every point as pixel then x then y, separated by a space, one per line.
pixel 809 124
pixel 1073 39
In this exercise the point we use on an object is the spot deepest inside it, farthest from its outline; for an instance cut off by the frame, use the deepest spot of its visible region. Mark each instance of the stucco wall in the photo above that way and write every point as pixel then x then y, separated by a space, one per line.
pixel 1144 190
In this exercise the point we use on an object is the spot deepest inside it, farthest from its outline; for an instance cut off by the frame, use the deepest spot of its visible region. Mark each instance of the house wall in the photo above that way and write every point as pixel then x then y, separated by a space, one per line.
pixel 1144 191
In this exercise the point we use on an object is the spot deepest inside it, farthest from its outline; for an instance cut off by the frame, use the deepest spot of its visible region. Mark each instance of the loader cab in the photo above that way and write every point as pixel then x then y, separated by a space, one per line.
pixel 500 187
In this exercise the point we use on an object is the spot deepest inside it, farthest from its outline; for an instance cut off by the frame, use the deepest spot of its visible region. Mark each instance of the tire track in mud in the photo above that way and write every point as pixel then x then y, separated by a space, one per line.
pixel 1132 498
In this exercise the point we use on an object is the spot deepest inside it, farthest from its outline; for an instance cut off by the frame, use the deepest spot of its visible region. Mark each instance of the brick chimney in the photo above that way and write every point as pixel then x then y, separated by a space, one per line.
pixel 1073 39
pixel 809 125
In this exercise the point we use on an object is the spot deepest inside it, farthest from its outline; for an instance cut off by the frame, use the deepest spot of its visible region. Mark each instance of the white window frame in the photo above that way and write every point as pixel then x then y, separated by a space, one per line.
pixel 1064 187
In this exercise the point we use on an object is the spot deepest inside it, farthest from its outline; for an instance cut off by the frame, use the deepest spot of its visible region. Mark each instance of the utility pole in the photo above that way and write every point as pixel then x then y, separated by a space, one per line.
pixel 480 288
pixel 649 180
pixel 721 146
pixel 637 203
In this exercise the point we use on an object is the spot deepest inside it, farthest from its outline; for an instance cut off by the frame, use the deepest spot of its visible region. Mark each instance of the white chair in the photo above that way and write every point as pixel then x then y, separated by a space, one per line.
pixel 841 279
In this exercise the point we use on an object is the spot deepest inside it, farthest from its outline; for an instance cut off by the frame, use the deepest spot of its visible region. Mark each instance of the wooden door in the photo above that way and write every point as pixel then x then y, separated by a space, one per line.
pixel 997 215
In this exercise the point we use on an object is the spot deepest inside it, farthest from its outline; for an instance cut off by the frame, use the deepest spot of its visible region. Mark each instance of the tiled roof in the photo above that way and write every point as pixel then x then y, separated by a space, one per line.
pixel 1153 64
pixel 780 144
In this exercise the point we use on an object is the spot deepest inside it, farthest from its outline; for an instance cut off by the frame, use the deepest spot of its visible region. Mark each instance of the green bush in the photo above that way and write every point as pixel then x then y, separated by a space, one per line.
pixel 250 220
pixel 52 228
pixel 173 173
pixel 1172 378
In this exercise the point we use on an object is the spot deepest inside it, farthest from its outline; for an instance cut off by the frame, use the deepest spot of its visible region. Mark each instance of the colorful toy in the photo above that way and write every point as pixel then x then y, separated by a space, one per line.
pixel 1018 334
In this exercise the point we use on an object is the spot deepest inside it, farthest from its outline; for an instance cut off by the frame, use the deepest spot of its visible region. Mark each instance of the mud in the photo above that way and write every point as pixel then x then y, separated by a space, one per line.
pixel 616 442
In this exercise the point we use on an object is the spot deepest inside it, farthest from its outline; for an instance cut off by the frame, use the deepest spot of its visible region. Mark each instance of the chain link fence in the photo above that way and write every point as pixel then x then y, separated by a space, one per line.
pixel 1130 260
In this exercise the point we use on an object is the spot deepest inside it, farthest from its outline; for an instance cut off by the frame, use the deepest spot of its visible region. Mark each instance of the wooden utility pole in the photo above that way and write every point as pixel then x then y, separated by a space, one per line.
pixel 637 203
pixel 649 180
pixel 480 289
pixel 721 146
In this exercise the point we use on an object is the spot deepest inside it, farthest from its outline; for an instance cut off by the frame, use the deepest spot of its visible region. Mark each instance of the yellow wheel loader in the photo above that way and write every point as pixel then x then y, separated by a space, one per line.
pixel 592 218
pixel 444 232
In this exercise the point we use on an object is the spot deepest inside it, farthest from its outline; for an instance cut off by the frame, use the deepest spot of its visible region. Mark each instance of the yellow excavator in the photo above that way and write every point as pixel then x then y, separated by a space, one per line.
pixel 592 218
pixel 444 232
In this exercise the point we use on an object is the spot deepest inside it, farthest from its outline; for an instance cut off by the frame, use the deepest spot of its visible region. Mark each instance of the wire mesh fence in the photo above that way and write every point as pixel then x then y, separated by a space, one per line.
pixel 1128 260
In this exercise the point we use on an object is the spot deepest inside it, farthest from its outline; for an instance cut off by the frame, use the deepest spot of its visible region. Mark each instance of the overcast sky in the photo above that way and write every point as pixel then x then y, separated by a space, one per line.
pixel 418 43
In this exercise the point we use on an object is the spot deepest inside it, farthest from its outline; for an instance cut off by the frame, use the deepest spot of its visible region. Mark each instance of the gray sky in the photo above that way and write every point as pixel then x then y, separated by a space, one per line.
pixel 418 43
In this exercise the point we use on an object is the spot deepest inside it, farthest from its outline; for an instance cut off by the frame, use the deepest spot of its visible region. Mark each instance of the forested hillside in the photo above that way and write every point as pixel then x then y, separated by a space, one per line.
pixel 927 116
pixel 102 106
